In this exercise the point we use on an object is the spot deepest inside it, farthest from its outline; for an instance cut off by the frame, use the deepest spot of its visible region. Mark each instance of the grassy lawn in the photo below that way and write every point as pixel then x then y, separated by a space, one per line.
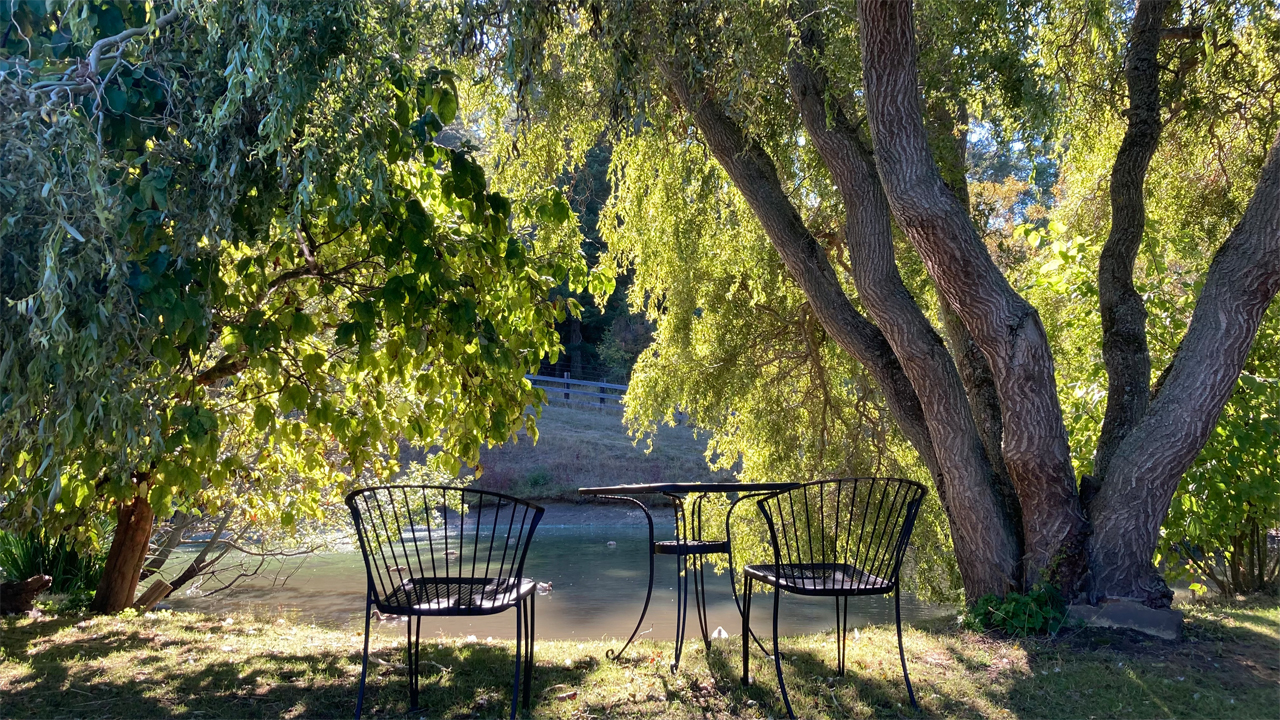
pixel 184 665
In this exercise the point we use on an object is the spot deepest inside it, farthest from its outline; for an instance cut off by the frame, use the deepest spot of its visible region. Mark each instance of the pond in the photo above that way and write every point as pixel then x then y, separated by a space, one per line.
pixel 598 591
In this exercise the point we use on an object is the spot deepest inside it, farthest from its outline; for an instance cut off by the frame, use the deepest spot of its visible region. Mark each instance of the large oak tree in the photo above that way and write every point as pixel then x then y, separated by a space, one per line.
pixel 875 96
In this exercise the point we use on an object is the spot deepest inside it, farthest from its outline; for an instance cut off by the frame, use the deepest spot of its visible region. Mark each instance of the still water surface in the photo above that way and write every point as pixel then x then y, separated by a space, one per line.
pixel 597 592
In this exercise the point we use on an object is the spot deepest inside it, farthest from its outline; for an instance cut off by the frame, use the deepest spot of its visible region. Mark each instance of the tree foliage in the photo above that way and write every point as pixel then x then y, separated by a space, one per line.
pixel 729 208
pixel 235 258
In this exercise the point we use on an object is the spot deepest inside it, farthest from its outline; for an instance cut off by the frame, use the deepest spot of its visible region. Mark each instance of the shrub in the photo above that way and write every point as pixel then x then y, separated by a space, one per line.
pixel 1041 611
pixel 74 572
pixel 538 478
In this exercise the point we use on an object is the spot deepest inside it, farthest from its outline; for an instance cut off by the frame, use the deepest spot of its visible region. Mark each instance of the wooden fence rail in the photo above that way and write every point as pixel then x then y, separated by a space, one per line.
pixel 605 396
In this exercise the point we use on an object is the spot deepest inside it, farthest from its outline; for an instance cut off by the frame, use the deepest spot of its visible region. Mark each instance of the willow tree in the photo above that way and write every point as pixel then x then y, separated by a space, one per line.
pixel 865 108
pixel 236 258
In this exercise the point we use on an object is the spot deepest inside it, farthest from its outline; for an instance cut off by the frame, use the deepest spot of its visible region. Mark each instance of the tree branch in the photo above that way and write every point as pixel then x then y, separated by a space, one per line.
pixel 226 366
pixel 95 53
pixel 1122 310
pixel 755 176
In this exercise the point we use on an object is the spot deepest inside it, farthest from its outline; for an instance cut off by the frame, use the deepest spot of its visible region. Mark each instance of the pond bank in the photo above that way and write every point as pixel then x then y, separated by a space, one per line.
pixel 198 666
pixel 595 558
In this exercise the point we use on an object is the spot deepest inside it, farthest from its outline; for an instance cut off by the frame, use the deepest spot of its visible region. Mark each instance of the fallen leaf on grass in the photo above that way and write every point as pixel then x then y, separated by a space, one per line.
pixel 567 695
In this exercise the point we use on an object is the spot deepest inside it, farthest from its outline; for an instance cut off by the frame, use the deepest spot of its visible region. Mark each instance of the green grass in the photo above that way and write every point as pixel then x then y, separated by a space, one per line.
pixel 193 666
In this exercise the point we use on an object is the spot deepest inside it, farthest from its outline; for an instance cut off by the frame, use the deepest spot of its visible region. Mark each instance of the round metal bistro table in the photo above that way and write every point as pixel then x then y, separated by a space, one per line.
pixel 689 546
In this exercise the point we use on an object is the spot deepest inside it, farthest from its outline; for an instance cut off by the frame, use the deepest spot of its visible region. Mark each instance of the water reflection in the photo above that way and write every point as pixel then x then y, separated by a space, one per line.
pixel 598 592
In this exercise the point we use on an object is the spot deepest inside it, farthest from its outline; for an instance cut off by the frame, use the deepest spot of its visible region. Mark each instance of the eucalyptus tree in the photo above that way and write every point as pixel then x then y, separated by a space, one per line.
pixel 235 257
pixel 837 133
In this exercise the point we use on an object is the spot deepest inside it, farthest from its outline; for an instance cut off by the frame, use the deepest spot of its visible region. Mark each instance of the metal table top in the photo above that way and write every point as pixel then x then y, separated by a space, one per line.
pixel 689 487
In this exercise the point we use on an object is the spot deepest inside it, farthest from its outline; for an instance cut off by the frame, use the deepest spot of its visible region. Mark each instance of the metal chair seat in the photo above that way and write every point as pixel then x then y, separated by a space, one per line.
pixel 455 596
pixel 690 547
pixel 820 579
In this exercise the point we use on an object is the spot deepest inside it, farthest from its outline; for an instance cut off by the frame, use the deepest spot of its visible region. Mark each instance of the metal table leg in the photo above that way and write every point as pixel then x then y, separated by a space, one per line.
pixel 614 655
pixel 699 576
pixel 682 580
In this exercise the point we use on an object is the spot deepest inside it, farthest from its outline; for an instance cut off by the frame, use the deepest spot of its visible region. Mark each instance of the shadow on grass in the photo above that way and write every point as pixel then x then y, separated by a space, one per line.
pixel 172 681
pixel 1219 669
pixel 813 685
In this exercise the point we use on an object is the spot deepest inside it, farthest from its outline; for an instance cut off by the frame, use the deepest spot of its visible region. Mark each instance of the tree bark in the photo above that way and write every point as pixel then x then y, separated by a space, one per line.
pixel 950 131
pixel 1002 323
pixel 986 542
pixel 755 176
pixel 1144 472
pixel 1124 315
pixel 124 559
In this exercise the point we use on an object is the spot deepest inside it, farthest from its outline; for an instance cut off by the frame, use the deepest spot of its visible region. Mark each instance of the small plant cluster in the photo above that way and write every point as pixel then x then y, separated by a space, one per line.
pixel 1039 612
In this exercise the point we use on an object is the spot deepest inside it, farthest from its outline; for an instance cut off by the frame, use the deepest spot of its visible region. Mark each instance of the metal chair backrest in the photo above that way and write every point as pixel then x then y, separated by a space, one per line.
pixel 441 533
pixel 859 523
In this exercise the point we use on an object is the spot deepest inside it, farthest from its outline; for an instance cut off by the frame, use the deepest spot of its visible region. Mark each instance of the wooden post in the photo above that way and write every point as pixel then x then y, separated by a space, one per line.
pixel 566 388
pixel 158 591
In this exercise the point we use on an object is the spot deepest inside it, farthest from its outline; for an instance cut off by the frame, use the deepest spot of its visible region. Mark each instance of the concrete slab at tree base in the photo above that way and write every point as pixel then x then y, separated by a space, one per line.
pixel 1130 615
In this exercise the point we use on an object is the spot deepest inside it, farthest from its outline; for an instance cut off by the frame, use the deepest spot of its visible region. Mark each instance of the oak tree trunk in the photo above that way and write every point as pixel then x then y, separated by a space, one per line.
pixel 1006 328
pixel 986 540
pixel 125 558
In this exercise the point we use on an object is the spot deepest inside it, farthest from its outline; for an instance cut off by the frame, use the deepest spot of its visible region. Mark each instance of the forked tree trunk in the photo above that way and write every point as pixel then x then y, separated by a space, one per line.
pixel 987 542
pixel 124 561
pixel 1003 324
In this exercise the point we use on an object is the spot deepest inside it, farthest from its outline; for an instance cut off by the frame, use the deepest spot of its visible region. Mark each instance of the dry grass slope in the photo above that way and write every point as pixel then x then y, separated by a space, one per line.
pixel 583 448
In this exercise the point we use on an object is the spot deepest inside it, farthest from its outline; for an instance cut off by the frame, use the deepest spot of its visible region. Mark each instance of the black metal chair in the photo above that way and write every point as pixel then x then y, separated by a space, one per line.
pixel 836 538
pixel 431 550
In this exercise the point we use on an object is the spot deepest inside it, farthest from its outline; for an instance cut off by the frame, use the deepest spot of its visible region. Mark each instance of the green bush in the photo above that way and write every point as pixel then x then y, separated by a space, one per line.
pixel 74 572
pixel 538 478
pixel 1041 611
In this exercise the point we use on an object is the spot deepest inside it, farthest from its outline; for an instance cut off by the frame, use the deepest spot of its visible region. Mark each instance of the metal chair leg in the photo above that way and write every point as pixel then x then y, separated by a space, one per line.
pixel 746 629
pixel 528 651
pixel 842 633
pixel 902 654
pixel 515 687
pixel 700 601
pixel 728 533
pixel 364 665
pixel 411 659
pixel 777 656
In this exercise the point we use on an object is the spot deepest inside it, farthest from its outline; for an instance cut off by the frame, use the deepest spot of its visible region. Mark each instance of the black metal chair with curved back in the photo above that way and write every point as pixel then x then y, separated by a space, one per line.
pixel 433 550
pixel 837 538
